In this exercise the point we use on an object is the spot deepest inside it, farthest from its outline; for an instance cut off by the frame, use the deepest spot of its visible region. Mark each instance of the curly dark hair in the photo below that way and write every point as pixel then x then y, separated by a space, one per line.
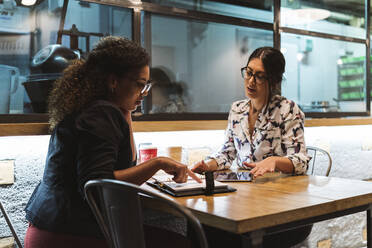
pixel 86 81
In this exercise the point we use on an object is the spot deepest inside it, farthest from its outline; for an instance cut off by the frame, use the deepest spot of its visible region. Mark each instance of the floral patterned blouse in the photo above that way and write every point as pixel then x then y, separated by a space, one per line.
pixel 278 131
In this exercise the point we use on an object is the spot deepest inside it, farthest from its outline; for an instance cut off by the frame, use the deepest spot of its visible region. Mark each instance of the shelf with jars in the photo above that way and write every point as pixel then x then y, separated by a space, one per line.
pixel 351 78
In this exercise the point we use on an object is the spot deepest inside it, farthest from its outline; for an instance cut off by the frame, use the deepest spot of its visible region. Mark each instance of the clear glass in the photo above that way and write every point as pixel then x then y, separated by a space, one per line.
pixel 196 65
pixel 332 17
pixel 19 38
pixel 97 18
pixel 24 88
pixel 321 79
pixel 259 10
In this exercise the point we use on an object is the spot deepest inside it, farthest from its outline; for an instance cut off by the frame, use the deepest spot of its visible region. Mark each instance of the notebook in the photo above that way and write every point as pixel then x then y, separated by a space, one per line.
pixel 191 187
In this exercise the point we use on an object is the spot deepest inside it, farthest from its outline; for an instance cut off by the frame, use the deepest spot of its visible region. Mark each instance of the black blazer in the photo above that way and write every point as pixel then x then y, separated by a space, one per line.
pixel 84 146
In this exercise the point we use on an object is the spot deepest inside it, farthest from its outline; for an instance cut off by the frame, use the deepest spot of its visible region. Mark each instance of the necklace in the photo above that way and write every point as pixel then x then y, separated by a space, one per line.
pixel 254 110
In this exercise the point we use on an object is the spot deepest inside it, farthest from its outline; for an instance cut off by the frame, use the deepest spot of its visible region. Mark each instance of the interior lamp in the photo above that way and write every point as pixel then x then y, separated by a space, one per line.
pixel 28 2
pixel 304 16
pixel 137 2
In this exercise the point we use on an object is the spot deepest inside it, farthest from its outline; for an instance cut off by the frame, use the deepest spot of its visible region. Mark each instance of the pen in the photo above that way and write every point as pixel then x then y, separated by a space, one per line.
pixel 158 182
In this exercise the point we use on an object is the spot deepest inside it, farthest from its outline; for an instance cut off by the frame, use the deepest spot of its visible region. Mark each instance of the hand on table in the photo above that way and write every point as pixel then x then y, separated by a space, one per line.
pixel 260 168
pixel 201 166
pixel 179 171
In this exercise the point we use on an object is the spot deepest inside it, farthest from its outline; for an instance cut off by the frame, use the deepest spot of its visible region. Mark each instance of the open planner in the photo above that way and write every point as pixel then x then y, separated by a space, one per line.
pixel 191 187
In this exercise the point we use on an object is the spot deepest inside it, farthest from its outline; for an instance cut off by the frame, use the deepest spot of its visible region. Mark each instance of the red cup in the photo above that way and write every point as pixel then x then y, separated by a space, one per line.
pixel 147 153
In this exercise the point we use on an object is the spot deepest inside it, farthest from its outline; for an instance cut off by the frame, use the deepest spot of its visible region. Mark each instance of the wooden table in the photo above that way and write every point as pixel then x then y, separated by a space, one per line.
pixel 278 204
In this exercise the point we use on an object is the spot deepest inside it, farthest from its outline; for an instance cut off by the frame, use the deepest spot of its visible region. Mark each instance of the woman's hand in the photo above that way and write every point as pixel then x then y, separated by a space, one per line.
pixel 262 167
pixel 178 170
pixel 201 166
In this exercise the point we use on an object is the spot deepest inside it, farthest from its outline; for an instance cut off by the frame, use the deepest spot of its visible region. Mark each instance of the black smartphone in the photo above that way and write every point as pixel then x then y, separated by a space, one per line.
pixel 233 176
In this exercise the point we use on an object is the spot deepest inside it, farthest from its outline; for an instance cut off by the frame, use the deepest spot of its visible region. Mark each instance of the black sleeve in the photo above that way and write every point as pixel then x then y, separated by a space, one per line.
pixel 134 162
pixel 100 130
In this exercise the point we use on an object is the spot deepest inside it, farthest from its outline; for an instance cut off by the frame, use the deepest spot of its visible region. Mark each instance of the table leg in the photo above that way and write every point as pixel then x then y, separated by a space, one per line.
pixel 369 230
pixel 253 239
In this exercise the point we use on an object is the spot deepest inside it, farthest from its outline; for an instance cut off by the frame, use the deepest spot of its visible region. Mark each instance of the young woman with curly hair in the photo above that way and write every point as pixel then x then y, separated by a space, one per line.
pixel 90 117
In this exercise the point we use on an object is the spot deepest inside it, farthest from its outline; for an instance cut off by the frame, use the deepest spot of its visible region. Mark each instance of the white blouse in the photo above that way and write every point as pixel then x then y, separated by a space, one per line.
pixel 278 131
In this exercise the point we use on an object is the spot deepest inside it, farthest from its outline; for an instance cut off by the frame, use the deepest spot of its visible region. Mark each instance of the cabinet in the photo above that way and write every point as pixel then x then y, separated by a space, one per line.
pixel 351 78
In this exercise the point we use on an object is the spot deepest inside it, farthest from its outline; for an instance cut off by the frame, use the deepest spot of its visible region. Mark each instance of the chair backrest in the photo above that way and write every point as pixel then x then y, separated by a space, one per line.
pixel 319 157
pixel 118 210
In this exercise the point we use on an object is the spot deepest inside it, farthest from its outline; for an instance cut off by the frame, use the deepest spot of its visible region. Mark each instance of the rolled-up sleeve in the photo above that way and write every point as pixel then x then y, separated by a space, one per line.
pixel 293 142
pixel 100 131
pixel 227 153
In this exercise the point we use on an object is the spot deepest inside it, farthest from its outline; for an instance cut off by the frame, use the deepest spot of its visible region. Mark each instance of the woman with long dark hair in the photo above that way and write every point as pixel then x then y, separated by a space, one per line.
pixel 265 132
pixel 90 118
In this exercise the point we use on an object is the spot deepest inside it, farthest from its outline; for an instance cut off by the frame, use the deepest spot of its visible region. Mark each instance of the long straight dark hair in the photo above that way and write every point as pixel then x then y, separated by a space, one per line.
pixel 274 65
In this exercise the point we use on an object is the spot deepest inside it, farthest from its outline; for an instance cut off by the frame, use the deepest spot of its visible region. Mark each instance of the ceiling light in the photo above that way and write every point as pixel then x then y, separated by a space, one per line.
pixel 304 16
pixel 28 2
pixel 137 2
pixel 300 57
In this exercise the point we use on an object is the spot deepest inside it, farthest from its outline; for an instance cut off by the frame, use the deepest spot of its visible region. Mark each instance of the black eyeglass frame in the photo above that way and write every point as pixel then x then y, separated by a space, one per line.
pixel 257 79
pixel 147 87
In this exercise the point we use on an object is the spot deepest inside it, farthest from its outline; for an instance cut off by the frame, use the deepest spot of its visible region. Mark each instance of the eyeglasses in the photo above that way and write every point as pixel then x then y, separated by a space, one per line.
pixel 258 77
pixel 147 87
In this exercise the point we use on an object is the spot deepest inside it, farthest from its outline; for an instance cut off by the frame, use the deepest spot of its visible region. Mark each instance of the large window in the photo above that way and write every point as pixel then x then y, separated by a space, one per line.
pixel 196 65
pixel 332 17
pixel 197 48
pixel 97 19
pixel 26 35
pixel 325 45
pixel 258 10
pixel 321 79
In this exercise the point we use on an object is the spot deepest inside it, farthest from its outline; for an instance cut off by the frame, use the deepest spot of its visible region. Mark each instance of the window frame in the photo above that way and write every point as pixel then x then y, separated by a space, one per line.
pixel 147 9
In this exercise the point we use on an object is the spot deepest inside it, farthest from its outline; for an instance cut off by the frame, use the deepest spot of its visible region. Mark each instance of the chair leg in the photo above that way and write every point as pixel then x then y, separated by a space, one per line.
pixel 10 226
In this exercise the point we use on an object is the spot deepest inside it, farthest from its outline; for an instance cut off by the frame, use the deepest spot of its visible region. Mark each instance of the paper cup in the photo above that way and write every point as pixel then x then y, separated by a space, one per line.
pixel 147 153
pixel 174 152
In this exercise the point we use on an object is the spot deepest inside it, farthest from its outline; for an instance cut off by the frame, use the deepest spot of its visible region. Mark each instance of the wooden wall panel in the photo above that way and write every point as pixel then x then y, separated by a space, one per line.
pixel 12 129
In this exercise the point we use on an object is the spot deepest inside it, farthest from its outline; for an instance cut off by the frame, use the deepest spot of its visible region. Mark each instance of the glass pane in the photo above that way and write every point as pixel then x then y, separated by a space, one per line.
pixel 25 85
pixel 17 41
pixel 321 79
pixel 197 64
pixel 259 10
pixel 332 17
pixel 99 19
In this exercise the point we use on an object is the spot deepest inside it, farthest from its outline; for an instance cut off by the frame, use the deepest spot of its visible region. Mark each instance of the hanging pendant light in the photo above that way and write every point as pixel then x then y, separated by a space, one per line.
pixel 28 2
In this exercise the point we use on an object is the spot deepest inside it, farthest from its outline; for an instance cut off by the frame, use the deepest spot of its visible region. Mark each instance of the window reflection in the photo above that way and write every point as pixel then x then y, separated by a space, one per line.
pixel 167 96
pixel 30 34
pixel 202 60
pixel 97 18
pixel 258 10
pixel 324 75
pixel 332 17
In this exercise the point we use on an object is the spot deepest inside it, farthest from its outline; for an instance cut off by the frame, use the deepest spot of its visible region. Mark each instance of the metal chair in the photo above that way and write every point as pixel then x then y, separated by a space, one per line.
pixel 118 209
pixel 319 156
pixel 10 225
pixel 324 157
